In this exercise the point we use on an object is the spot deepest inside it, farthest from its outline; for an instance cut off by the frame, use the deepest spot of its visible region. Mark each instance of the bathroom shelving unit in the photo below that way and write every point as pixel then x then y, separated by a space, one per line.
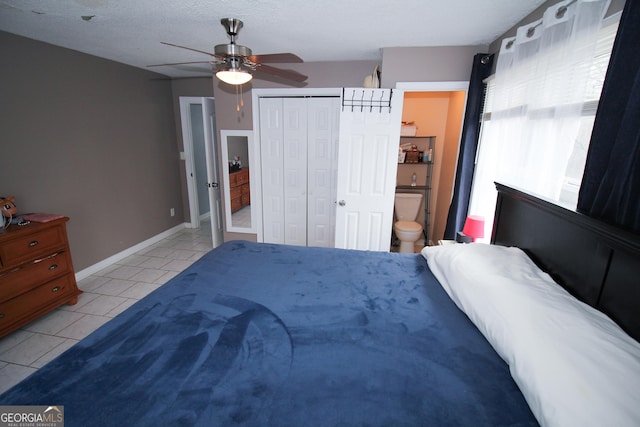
pixel 423 171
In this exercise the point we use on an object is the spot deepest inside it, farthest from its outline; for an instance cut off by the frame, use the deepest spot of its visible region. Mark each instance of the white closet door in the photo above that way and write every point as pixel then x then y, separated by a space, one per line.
pixel 295 171
pixel 367 166
pixel 299 149
pixel 272 158
pixel 323 115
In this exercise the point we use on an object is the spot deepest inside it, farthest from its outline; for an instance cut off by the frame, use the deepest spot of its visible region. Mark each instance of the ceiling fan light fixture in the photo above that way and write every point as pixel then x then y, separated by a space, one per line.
pixel 233 63
pixel 234 76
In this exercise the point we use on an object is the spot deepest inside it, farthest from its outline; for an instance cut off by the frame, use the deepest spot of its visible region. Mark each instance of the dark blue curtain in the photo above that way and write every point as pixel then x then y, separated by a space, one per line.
pixel 610 187
pixel 482 65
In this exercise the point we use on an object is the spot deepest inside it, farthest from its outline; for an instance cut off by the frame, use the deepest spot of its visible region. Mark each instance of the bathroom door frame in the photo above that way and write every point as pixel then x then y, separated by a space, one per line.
pixel 446 86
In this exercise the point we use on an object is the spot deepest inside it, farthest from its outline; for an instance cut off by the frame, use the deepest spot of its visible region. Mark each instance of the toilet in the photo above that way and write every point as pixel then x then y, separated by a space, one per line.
pixel 408 231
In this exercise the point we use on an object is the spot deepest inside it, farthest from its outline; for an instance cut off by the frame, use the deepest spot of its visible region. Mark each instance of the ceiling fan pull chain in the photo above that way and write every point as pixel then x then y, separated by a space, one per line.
pixel 238 98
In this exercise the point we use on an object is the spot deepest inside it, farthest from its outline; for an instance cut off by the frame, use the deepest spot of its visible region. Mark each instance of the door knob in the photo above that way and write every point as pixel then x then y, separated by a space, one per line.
pixel 342 203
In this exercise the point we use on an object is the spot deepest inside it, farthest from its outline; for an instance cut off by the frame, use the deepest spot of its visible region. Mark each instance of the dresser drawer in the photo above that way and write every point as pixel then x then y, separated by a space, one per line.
pixel 242 176
pixel 236 204
pixel 24 278
pixel 30 303
pixel 29 246
pixel 235 193
pixel 246 198
pixel 233 179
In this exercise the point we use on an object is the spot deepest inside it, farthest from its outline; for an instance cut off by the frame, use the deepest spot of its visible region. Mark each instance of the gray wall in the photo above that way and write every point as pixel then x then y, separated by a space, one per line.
pixel 427 64
pixel 398 64
pixel 91 139
pixel 237 146
pixel 321 75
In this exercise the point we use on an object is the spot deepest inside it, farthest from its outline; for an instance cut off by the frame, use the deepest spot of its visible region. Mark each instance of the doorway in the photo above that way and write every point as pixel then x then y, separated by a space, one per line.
pixel 201 163
pixel 437 109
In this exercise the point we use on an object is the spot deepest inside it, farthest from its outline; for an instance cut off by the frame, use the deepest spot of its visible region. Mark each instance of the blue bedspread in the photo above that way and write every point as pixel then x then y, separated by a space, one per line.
pixel 259 334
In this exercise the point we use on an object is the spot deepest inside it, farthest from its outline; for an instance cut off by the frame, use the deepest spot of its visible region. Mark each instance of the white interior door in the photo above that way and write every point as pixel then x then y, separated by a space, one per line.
pixel 189 157
pixel 367 167
pixel 283 136
pixel 298 140
pixel 322 167
pixel 295 171
pixel 213 175
pixel 271 165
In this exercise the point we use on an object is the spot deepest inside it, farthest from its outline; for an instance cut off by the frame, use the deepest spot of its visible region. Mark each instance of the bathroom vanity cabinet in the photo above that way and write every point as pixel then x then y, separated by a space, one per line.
pixel 423 170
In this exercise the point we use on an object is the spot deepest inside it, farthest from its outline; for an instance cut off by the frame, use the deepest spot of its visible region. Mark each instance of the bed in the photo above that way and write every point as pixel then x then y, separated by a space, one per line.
pixel 261 334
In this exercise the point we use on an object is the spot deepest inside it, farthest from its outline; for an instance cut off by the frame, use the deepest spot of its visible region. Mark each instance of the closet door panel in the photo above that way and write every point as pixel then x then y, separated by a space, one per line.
pixel 295 171
pixel 322 170
pixel 272 147
pixel 299 151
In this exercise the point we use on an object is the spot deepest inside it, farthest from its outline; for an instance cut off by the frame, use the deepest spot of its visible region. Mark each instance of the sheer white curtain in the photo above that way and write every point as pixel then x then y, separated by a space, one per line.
pixel 534 104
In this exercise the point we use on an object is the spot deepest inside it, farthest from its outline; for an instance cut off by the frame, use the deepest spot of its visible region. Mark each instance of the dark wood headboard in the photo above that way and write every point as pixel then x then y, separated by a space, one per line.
pixel 597 263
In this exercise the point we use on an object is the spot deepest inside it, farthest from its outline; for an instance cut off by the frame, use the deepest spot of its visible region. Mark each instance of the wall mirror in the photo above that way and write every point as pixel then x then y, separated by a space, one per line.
pixel 237 150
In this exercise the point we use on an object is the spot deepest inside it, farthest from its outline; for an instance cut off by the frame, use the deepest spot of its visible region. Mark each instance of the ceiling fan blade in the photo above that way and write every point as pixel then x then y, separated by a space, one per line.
pixel 279 72
pixel 180 63
pixel 194 50
pixel 275 57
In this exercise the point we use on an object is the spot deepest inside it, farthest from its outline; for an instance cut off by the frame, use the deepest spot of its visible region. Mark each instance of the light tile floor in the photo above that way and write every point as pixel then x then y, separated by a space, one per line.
pixel 106 294
pixel 242 218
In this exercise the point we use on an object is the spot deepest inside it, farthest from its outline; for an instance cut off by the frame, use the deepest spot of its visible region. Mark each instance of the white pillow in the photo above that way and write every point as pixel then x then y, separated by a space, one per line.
pixel 574 365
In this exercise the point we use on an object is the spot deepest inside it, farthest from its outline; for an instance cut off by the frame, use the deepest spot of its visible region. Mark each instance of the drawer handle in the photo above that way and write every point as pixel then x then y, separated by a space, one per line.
pixel 1 315
pixel 53 267
pixel 33 243
pixel 56 289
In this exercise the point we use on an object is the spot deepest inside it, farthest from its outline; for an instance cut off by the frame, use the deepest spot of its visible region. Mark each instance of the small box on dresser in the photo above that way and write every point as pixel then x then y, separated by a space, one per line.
pixel 36 272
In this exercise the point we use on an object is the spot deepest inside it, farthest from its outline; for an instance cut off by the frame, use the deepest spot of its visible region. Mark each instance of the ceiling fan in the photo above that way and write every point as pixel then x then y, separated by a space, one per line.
pixel 234 63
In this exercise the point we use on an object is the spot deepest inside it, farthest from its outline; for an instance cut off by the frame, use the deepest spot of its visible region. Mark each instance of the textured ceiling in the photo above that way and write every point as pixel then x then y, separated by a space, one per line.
pixel 130 31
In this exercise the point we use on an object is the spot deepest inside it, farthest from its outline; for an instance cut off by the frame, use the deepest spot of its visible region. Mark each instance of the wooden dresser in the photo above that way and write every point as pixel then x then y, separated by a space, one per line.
pixel 239 193
pixel 36 273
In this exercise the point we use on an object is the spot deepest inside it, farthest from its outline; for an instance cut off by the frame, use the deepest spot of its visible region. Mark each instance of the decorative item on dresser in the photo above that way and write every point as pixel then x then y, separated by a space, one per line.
pixel 239 189
pixel 36 272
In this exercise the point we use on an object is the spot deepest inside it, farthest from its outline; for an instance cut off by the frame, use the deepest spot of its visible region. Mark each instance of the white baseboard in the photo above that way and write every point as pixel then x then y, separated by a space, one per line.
pixel 83 274
pixel 204 216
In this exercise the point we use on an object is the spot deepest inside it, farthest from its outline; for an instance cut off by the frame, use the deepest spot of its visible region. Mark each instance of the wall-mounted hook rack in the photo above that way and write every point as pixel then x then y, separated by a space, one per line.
pixel 361 98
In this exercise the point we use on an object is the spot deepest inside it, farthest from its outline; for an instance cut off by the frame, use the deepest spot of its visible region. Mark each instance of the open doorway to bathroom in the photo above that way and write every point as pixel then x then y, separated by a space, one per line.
pixel 435 112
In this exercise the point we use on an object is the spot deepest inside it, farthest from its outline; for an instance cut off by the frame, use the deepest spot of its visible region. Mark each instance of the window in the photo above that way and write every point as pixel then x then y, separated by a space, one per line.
pixel 575 165
pixel 536 126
